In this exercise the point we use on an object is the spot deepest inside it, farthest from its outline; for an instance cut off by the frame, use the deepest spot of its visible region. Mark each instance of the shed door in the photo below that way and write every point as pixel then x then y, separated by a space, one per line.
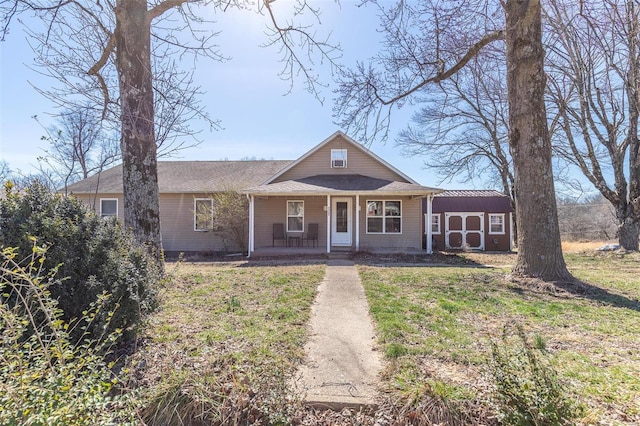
pixel 464 231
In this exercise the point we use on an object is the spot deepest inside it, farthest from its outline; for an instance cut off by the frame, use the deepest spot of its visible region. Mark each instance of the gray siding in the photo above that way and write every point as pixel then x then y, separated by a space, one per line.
pixel 358 162
pixel 176 221
pixel 274 210
pixel 411 236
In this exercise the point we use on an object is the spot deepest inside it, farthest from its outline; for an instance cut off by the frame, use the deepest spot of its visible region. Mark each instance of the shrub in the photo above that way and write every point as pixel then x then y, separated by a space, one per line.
pixel 94 255
pixel 528 390
pixel 47 379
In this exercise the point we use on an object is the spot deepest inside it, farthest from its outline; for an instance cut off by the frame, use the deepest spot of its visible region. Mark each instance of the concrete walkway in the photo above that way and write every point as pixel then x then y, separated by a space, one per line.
pixel 341 368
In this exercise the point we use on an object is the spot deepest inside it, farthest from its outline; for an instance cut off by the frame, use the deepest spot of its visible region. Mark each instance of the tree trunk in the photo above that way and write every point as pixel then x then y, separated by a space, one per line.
pixel 539 248
pixel 628 233
pixel 139 158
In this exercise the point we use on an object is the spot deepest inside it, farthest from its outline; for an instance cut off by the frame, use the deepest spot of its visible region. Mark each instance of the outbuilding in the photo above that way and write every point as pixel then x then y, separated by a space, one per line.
pixel 471 220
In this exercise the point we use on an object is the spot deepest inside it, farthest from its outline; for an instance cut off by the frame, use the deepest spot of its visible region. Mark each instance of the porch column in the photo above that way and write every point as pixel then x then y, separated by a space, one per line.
pixel 357 222
pixel 427 225
pixel 328 223
pixel 251 246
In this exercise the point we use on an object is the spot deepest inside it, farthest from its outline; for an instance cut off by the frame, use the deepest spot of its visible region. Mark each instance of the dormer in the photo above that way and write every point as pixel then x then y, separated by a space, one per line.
pixel 338 158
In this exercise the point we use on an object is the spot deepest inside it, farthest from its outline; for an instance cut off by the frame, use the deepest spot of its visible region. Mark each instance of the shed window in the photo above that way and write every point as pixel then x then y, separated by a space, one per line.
pixel 295 216
pixel 435 224
pixel 384 217
pixel 496 223
pixel 338 158
pixel 203 214
pixel 108 207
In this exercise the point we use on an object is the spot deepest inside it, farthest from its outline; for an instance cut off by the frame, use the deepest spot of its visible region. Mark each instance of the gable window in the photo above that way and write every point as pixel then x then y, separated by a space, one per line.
pixel 203 214
pixel 435 224
pixel 295 216
pixel 496 223
pixel 338 158
pixel 108 207
pixel 384 217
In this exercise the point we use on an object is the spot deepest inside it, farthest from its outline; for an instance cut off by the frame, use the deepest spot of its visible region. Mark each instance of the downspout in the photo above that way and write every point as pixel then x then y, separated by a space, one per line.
pixel 328 223
pixel 357 222
pixel 428 225
pixel 250 246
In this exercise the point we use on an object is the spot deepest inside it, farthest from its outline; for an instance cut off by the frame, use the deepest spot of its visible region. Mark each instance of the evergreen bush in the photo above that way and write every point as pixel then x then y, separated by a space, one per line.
pixel 47 378
pixel 94 255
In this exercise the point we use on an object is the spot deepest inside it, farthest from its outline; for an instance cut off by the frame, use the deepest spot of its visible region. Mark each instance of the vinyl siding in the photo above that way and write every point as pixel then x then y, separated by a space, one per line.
pixel 274 210
pixel 176 222
pixel 411 236
pixel 358 162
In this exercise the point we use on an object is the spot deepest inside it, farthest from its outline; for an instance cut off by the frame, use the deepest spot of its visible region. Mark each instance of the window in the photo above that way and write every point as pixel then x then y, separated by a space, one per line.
pixel 203 214
pixel 435 223
pixel 295 216
pixel 338 158
pixel 496 223
pixel 384 217
pixel 108 207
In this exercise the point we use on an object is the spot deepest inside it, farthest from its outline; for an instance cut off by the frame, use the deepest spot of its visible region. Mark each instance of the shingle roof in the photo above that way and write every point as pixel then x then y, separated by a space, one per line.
pixel 189 176
pixel 323 184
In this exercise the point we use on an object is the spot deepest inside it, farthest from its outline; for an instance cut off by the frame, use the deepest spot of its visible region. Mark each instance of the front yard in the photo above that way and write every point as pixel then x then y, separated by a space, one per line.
pixel 435 325
pixel 226 343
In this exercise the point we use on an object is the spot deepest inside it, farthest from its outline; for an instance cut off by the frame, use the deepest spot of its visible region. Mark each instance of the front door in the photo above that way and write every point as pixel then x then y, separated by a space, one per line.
pixel 341 222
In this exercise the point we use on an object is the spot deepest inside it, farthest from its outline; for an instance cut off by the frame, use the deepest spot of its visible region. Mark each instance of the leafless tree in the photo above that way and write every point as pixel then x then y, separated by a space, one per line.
pixel 79 146
pixel 428 42
pixel 5 171
pixel 592 219
pixel 462 125
pixel 115 41
pixel 594 82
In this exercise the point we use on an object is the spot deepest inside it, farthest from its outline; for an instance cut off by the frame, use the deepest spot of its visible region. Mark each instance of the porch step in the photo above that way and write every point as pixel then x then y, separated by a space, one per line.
pixel 342 255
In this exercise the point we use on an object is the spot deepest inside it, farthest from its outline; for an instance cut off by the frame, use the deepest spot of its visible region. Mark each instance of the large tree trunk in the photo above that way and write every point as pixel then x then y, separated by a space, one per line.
pixel 139 158
pixel 539 249
pixel 628 233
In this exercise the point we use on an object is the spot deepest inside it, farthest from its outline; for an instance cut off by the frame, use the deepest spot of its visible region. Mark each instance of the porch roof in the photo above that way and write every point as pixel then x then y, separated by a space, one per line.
pixel 341 185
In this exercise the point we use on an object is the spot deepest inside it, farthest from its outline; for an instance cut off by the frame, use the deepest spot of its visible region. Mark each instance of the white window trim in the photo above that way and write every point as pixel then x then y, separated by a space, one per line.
pixel 502 217
pixel 345 158
pixel 287 216
pixel 383 217
pixel 433 216
pixel 195 215
pixel 109 199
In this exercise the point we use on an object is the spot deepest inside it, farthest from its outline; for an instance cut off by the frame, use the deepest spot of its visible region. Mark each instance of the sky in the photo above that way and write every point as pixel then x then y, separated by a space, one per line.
pixel 258 118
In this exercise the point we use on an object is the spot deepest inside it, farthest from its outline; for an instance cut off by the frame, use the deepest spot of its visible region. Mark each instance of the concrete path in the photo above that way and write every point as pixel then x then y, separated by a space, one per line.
pixel 342 366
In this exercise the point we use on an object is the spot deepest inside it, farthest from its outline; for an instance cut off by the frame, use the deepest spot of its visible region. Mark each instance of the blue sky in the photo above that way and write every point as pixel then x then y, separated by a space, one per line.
pixel 258 118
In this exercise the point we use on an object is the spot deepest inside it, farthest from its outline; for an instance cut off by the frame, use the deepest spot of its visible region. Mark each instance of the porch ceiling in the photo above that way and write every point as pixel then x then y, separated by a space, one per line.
pixel 341 185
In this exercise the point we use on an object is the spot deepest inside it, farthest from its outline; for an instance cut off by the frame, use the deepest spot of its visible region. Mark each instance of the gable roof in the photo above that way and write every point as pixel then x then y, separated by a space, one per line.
pixel 188 176
pixel 328 140
pixel 340 184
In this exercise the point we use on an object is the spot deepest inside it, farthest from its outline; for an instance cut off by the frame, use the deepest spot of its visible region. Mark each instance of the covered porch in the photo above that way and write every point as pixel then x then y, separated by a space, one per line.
pixel 326 214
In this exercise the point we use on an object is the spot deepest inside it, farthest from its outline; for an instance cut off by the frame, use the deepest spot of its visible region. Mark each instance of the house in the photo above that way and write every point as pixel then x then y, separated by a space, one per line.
pixel 469 219
pixel 356 199
pixel 339 196
pixel 185 187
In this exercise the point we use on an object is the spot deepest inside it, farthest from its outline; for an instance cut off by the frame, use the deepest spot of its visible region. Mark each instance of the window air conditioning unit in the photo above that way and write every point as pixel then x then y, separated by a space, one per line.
pixel 338 164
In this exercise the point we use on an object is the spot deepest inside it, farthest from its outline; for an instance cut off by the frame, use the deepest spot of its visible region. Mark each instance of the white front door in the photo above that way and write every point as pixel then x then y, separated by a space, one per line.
pixel 341 222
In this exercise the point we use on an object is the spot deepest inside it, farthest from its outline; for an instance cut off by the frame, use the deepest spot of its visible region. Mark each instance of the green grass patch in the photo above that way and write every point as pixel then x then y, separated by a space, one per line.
pixel 443 318
pixel 223 333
